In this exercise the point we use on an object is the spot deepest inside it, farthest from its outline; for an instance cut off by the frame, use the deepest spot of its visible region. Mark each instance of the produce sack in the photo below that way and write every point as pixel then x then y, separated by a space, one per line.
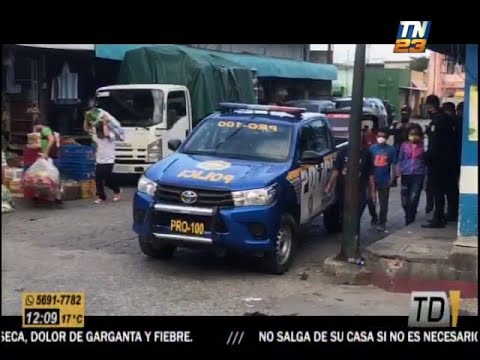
pixel 7 201
pixel 95 115
pixel 42 177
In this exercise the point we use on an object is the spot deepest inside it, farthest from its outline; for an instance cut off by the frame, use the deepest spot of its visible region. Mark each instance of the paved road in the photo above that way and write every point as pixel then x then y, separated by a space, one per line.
pixel 91 248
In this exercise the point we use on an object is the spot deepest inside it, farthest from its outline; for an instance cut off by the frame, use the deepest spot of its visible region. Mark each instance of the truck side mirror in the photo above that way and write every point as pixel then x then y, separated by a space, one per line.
pixel 311 157
pixel 174 144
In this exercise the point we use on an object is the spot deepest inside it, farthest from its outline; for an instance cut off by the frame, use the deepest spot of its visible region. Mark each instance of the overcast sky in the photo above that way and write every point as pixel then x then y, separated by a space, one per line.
pixel 343 53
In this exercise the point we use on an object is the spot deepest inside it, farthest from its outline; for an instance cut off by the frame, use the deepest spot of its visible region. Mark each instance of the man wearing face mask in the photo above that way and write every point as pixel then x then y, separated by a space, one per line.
pixel 440 158
pixel 384 161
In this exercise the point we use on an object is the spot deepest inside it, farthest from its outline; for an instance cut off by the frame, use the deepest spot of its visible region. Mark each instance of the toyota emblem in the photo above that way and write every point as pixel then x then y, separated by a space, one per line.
pixel 189 197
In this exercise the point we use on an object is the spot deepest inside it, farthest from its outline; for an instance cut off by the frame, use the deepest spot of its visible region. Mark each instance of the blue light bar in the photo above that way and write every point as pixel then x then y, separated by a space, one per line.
pixel 269 108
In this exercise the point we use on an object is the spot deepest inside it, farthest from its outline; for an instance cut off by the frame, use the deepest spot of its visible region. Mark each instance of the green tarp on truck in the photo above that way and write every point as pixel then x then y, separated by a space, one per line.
pixel 209 79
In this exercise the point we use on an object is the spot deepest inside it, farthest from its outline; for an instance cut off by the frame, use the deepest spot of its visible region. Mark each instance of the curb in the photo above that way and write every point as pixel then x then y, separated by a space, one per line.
pixel 403 275
pixel 346 273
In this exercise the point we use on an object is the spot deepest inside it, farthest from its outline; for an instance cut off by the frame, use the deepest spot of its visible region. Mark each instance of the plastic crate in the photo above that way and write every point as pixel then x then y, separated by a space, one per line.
pixel 74 166
pixel 76 152
pixel 78 176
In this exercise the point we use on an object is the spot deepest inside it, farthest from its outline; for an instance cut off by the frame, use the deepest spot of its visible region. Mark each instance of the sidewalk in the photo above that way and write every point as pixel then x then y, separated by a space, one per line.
pixel 416 259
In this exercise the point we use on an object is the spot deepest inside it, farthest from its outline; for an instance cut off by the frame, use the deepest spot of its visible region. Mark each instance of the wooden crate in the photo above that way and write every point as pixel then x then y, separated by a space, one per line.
pixel 88 189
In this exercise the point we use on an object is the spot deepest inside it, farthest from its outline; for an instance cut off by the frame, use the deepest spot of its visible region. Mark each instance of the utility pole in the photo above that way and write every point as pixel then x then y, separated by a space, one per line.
pixel 329 54
pixel 351 221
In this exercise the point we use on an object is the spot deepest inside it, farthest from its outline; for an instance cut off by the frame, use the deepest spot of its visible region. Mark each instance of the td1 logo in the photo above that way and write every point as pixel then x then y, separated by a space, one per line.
pixel 412 36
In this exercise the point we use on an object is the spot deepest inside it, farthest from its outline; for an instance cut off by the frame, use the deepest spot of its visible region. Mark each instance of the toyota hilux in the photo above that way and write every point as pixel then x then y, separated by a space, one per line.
pixel 246 179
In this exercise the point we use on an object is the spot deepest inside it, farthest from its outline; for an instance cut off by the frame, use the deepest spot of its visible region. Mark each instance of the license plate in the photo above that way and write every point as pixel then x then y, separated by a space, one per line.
pixel 121 168
pixel 187 227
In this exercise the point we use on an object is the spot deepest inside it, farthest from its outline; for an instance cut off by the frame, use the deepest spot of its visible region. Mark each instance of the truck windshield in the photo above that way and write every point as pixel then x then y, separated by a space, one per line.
pixel 249 140
pixel 133 107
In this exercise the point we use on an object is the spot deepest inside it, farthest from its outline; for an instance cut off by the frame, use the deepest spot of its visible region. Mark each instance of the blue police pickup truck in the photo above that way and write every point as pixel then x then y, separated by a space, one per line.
pixel 246 179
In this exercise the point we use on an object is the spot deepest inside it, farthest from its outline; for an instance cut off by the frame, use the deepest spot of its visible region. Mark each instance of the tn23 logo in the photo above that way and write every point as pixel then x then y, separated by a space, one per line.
pixel 412 37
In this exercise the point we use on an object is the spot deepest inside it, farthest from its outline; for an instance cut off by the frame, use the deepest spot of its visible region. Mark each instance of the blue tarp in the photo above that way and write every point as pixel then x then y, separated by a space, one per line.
pixel 265 66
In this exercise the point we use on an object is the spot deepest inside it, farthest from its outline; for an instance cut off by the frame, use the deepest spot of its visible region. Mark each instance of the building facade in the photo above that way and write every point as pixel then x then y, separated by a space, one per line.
pixel 343 85
pixel 446 78
pixel 289 51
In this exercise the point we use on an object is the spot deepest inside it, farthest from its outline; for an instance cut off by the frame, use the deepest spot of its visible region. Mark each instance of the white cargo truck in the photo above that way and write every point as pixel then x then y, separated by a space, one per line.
pixel 151 115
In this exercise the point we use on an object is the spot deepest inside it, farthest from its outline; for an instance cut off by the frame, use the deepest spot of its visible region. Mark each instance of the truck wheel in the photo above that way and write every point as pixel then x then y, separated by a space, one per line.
pixel 333 219
pixel 164 251
pixel 279 260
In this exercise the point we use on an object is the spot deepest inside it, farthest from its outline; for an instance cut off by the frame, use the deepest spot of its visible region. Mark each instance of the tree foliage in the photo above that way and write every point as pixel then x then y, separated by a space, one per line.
pixel 419 64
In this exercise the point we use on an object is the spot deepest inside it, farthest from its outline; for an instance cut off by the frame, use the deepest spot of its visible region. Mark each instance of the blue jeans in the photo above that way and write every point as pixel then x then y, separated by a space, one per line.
pixel 411 189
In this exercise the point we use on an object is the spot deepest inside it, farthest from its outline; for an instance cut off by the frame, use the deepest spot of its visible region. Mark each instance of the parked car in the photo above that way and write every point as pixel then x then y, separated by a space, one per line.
pixel 339 117
pixel 390 112
pixel 316 106
pixel 379 107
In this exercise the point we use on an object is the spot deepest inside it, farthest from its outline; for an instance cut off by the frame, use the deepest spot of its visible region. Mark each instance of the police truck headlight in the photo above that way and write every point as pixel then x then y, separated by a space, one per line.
pixel 146 186
pixel 154 151
pixel 265 196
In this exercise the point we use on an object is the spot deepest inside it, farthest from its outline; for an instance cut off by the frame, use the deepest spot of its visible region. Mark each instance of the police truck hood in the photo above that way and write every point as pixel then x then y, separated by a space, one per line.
pixel 221 173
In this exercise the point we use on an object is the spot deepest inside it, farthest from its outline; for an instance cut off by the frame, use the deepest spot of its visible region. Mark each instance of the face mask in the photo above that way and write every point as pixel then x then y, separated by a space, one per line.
pixel 381 140
pixel 413 138
pixel 404 120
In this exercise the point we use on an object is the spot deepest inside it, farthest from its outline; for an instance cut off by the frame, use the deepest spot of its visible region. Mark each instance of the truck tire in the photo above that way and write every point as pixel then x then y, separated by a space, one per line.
pixel 333 219
pixel 164 251
pixel 279 260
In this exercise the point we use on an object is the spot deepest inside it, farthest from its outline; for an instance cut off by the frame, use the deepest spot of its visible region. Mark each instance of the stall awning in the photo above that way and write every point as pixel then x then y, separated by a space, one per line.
pixel 265 66
pixel 116 51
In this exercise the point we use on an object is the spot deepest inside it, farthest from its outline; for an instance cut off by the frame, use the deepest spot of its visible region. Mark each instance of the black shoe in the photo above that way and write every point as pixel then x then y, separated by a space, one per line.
pixel 434 224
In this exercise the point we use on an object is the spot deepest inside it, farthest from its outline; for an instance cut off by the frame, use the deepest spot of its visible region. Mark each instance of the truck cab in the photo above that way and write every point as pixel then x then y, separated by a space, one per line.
pixel 246 179
pixel 151 115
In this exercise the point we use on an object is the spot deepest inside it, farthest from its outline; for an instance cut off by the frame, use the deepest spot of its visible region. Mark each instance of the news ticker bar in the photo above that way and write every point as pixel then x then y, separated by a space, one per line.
pixel 238 337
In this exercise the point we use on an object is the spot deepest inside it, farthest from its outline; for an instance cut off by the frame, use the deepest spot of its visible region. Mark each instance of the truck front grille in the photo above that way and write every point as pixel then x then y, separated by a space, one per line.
pixel 207 198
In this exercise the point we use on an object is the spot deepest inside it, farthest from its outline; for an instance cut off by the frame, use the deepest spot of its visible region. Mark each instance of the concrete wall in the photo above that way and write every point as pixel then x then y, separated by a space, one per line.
pixel 384 83
pixel 468 222
pixel 289 51
pixel 397 64
pixel 319 56
pixel 344 78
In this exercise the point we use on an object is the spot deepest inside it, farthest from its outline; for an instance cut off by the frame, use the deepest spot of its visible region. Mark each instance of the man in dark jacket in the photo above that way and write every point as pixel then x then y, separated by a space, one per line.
pixel 440 157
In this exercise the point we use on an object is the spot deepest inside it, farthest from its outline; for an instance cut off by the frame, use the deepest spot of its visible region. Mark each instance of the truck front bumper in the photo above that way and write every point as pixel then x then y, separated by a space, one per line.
pixel 137 168
pixel 246 229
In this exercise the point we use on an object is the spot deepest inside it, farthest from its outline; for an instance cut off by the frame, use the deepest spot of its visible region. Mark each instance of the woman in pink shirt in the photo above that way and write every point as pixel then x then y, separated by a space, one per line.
pixel 411 167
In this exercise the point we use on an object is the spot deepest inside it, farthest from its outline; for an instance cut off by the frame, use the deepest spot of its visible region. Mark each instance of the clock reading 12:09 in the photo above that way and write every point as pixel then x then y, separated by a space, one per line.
pixel 42 317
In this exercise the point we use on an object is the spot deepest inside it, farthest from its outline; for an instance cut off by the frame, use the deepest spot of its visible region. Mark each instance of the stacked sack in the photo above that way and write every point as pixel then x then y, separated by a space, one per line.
pixel 96 115
pixel 42 179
